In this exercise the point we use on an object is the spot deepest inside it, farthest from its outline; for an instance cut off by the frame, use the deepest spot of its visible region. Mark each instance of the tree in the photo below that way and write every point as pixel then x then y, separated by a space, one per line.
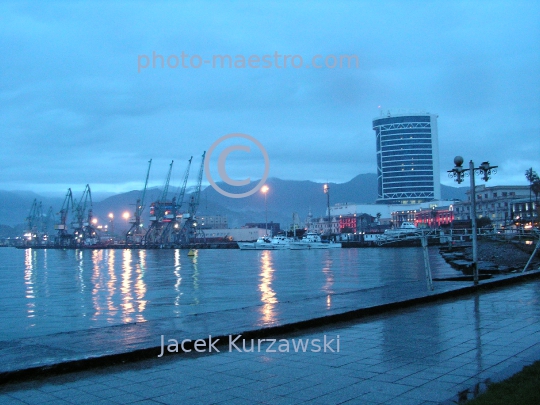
pixel 535 187
pixel 532 178
pixel 483 222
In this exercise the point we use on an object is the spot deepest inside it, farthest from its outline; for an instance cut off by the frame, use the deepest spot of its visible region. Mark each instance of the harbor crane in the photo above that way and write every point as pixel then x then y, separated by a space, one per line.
pixel 190 233
pixel 84 231
pixel 160 213
pixel 63 238
pixel 135 233
pixel 48 225
pixel 172 221
pixel 34 224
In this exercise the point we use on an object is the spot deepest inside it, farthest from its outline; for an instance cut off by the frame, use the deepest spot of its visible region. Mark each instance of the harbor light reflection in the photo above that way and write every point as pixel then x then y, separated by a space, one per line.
pixel 178 282
pixel 29 281
pixel 268 296
pixel 329 278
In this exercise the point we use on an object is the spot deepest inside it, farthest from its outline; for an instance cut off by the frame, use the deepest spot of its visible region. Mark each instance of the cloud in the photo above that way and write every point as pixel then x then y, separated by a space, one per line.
pixel 73 107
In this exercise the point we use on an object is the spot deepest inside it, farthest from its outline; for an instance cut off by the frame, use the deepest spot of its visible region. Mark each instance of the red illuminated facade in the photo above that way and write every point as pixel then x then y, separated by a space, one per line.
pixel 434 218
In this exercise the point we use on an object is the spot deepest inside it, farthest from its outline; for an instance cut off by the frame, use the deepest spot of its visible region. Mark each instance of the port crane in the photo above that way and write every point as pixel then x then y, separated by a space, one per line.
pixel 172 221
pixel 34 224
pixel 63 238
pixel 135 233
pixel 160 213
pixel 48 224
pixel 84 231
pixel 190 233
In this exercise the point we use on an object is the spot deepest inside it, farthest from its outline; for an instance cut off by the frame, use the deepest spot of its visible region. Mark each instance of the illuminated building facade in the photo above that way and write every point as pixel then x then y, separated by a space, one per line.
pixel 407 158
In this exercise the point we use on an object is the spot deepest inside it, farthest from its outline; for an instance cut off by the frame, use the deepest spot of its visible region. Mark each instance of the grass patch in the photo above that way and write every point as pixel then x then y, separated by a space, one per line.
pixel 522 388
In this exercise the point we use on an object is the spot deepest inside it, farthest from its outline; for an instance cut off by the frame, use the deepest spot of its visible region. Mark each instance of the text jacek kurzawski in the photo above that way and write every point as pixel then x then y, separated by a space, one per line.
pixel 235 343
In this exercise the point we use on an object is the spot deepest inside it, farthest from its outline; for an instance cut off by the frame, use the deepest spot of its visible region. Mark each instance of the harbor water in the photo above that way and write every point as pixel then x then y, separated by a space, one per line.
pixel 49 291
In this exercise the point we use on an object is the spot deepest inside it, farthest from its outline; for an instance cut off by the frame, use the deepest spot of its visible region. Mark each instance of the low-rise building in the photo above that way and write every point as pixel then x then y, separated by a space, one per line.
pixel 234 234
pixel 387 214
pixel 213 221
pixel 494 203
pixel 273 227
pixel 525 212
pixel 434 218
pixel 322 226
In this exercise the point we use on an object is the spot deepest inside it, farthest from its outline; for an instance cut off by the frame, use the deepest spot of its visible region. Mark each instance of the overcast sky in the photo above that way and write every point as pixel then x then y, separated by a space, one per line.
pixel 77 105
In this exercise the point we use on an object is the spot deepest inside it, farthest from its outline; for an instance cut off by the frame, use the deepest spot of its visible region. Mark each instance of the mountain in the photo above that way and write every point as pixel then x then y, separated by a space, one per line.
pixel 287 196
pixel 284 197
pixel 453 193
pixel 15 206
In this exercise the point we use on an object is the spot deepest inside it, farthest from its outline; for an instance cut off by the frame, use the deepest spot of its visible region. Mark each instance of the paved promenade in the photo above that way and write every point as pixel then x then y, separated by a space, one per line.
pixel 423 354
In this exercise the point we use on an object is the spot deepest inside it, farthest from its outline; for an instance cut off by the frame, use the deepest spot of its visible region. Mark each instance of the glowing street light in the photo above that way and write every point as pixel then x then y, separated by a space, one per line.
pixel 111 229
pixel 264 190
pixel 326 189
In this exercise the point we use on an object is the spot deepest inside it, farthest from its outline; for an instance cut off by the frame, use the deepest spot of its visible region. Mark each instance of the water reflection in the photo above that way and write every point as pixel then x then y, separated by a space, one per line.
pixel 477 330
pixel 195 278
pixel 97 256
pixel 268 296
pixel 112 309
pixel 86 288
pixel 45 274
pixel 140 285
pixel 178 282
pixel 127 297
pixel 29 282
pixel 80 269
pixel 329 279
pixel 121 294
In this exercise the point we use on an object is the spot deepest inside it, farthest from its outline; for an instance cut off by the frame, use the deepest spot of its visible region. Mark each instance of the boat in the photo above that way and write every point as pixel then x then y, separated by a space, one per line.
pixel 278 242
pixel 407 231
pixel 406 228
pixel 312 240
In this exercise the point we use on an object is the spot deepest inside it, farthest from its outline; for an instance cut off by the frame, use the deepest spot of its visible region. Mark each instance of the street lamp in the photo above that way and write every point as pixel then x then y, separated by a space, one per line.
pixel 111 229
pixel 264 190
pixel 326 189
pixel 458 173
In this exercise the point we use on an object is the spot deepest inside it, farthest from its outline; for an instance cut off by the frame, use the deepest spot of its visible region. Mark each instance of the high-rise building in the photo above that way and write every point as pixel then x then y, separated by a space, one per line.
pixel 407 158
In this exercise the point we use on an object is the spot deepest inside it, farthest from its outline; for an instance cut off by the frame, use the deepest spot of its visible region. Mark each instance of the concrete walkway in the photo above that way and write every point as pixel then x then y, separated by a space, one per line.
pixel 423 354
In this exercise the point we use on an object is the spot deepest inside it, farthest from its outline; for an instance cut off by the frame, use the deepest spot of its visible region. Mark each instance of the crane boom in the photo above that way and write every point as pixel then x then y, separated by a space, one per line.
pixel 166 188
pixel 182 191
pixel 197 195
pixel 80 210
pixel 140 206
pixel 65 207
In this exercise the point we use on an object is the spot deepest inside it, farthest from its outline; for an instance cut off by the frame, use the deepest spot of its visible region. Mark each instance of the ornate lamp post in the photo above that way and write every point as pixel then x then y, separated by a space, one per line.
pixel 264 190
pixel 458 173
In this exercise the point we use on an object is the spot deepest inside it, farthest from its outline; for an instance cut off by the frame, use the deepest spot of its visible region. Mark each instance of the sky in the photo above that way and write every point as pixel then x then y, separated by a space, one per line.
pixel 91 91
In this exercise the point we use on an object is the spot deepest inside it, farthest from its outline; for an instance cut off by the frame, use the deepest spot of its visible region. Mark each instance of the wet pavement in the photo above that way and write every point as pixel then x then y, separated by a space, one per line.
pixel 424 354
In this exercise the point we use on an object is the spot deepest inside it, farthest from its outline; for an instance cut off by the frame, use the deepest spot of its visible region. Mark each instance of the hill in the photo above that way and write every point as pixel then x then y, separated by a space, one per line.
pixel 283 199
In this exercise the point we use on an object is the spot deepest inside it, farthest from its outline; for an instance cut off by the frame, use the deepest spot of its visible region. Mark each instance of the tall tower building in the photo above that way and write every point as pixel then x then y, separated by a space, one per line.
pixel 407 158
